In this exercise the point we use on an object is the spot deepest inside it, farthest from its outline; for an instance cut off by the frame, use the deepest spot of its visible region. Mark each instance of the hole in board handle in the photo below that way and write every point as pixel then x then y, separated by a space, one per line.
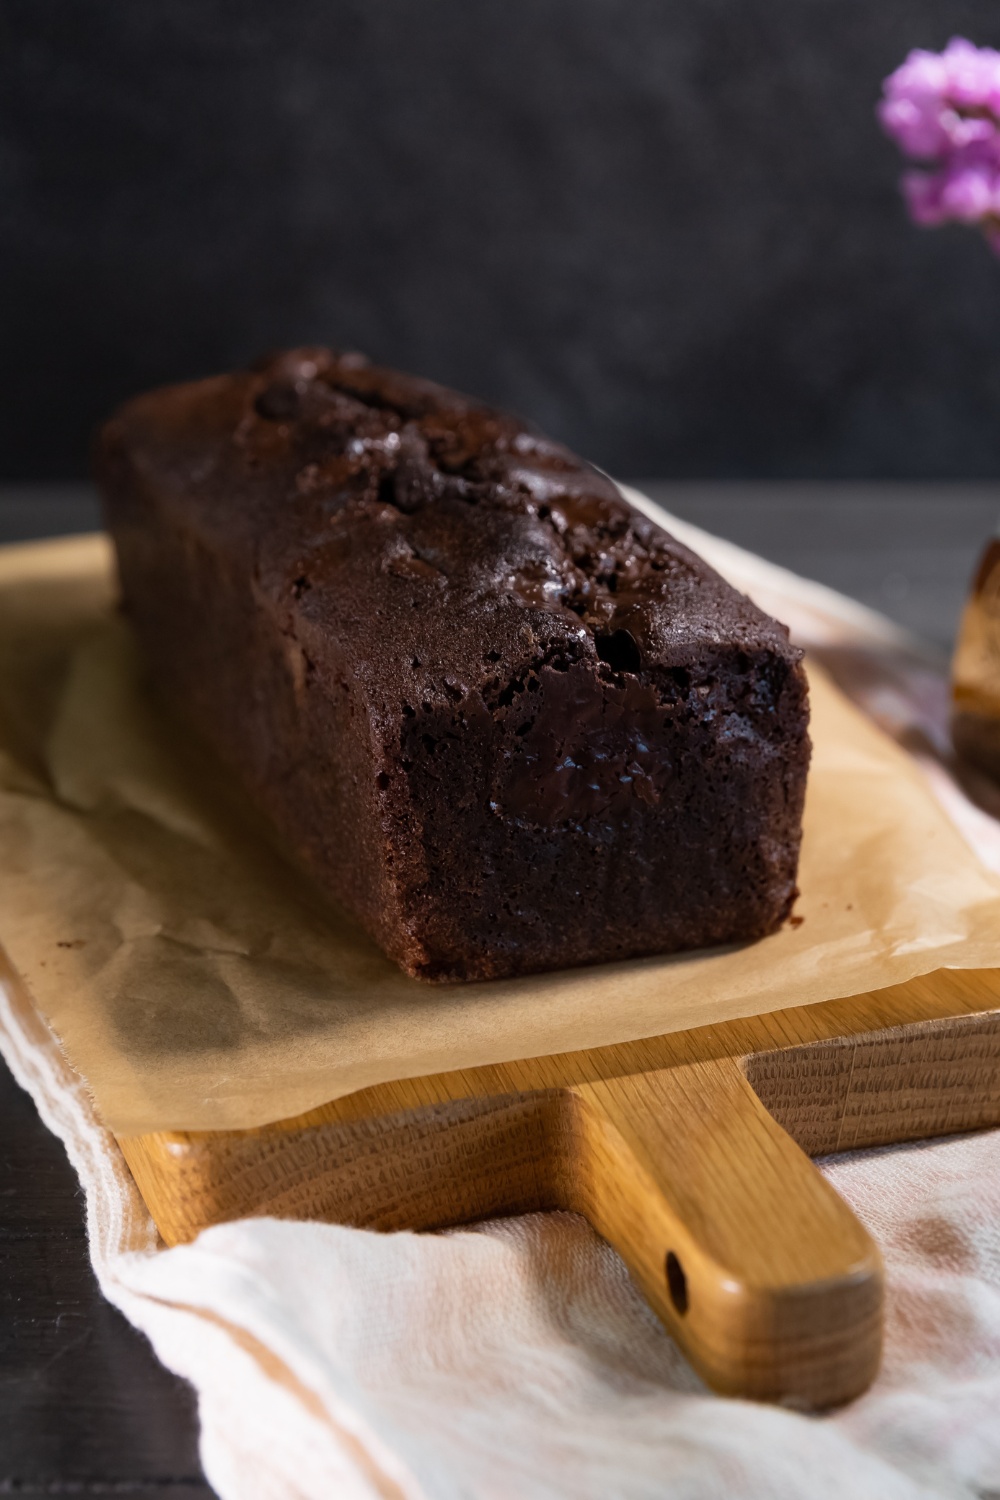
pixel 677 1283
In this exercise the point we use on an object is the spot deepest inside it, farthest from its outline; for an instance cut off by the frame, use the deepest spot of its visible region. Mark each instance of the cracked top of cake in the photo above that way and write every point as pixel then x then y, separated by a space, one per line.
pixel 367 503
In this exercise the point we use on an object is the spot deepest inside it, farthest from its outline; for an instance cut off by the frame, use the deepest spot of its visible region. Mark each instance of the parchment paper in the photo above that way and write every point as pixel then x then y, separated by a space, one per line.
pixel 197 981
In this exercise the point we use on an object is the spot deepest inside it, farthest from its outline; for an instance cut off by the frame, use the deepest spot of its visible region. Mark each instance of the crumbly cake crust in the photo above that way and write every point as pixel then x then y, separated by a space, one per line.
pixel 503 717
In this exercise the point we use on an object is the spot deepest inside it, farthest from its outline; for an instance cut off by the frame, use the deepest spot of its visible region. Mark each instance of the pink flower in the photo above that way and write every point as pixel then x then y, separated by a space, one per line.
pixel 922 191
pixel 943 109
pixel 966 192
pixel 938 101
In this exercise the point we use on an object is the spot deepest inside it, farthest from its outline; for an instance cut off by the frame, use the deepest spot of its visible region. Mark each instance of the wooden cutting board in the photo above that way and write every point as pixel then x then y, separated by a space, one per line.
pixel 689 1153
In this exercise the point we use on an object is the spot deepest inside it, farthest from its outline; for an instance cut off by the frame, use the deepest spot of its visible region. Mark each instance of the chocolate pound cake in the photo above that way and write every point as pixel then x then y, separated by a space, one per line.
pixel 503 717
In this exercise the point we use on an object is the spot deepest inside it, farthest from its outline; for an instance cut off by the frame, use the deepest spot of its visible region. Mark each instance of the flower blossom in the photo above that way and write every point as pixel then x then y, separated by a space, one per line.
pixel 943 111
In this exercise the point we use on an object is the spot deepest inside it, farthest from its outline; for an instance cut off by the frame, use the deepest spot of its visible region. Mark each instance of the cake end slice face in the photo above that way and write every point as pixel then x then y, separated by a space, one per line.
pixel 575 811
pixel 501 716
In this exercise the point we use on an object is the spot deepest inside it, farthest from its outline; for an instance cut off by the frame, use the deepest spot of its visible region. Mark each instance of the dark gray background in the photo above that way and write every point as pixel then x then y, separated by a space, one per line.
pixel 669 232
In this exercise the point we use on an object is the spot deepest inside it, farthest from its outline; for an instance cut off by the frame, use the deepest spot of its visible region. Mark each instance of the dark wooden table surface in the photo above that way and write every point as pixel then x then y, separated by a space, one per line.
pixel 85 1408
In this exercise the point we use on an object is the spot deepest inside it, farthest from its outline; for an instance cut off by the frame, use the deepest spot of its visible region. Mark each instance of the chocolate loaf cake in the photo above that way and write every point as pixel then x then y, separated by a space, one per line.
pixel 503 717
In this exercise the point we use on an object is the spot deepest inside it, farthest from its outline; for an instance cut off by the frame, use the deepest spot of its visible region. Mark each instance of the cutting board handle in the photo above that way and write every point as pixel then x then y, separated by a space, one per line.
pixel 764 1277
pixel 761 1272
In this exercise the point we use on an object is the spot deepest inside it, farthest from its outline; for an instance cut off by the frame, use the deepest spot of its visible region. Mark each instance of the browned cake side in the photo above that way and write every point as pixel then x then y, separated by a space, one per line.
pixel 503 717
